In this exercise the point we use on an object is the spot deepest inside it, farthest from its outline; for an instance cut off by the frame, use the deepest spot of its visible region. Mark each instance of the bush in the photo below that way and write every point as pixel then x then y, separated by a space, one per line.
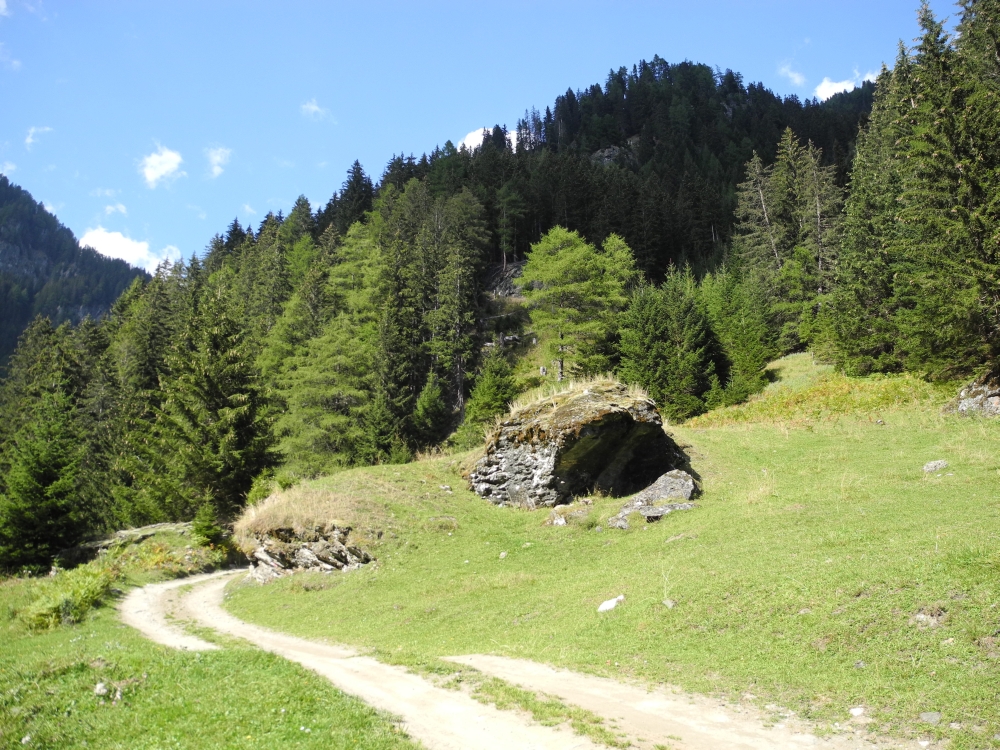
pixel 205 527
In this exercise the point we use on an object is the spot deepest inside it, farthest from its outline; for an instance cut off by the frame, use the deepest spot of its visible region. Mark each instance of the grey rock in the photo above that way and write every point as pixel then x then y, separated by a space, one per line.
pixel 322 548
pixel 931 717
pixel 932 466
pixel 598 437
pixel 981 397
pixel 100 689
pixel 674 485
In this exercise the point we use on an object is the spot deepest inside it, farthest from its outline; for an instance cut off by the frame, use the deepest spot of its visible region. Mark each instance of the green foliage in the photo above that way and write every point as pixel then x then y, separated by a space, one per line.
pixel 213 435
pixel 737 309
pixel 71 598
pixel 205 525
pixel 576 293
pixel 919 285
pixel 667 346
pixel 40 509
pixel 788 236
pixel 431 416
pixel 494 390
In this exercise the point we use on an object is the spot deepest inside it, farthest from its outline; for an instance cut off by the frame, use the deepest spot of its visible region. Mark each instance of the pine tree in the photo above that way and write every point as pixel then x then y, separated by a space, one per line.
pixel 494 390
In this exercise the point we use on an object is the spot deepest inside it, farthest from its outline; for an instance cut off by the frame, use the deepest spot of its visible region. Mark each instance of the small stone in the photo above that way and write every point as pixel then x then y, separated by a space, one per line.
pixel 931 466
pixel 503 555
pixel 559 521
pixel 100 689
pixel 669 603
pixel 955 725
pixel 924 743
pixel 859 665
pixel 858 711
pixel 26 739
pixel 931 717
pixel 446 487
pixel 611 603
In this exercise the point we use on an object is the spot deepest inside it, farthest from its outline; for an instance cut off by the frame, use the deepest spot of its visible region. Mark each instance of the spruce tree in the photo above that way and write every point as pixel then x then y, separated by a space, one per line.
pixel 667 346
pixel 213 434
pixel 41 511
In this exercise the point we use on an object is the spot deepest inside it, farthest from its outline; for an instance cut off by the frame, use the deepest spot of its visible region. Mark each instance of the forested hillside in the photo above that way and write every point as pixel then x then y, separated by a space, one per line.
pixel 44 271
pixel 675 227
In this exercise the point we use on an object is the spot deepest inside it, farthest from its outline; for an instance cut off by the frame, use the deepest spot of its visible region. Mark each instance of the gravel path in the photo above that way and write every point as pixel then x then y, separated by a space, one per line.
pixel 444 719
pixel 440 719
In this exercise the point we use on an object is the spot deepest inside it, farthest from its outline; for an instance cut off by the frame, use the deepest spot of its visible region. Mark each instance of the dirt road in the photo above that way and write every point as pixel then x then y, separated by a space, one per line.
pixel 444 719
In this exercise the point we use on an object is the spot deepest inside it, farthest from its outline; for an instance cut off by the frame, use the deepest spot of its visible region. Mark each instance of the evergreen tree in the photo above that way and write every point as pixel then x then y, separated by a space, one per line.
pixel 40 508
pixel 667 347
pixel 212 435
pixel 431 415
pixel 494 390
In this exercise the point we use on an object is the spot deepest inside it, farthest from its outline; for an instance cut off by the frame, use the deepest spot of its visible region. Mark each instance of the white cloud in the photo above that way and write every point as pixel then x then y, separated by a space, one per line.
pixel 3 8
pixel 475 139
pixel 247 209
pixel 828 88
pixel 7 167
pixel 50 208
pixel 792 75
pixel 313 111
pixel 32 132
pixel 217 159
pixel 134 252
pixel 162 165
pixel 7 61
pixel 117 208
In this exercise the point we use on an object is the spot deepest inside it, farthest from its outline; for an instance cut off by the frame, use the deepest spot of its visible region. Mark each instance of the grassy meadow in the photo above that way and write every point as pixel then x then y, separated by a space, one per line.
pixel 822 570
pixel 156 697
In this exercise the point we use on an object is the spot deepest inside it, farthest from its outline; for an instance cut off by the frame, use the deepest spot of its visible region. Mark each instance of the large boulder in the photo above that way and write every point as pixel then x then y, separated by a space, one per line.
pixel 599 436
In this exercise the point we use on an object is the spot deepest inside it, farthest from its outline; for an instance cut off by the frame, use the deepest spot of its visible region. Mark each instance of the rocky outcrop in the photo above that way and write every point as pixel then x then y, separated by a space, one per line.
pixel 322 548
pixel 599 436
pixel 652 503
pixel 980 397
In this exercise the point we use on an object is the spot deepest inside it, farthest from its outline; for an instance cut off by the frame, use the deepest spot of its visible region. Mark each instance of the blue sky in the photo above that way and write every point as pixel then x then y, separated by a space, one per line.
pixel 146 127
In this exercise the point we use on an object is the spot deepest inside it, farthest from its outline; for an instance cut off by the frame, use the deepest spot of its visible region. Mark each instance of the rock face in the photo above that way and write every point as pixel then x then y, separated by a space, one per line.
pixel 980 397
pixel 652 503
pixel 323 548
pixel 596 437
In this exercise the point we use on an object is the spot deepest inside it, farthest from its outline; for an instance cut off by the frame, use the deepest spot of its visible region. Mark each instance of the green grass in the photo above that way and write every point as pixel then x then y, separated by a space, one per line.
pixel 822 569
pixel 238 697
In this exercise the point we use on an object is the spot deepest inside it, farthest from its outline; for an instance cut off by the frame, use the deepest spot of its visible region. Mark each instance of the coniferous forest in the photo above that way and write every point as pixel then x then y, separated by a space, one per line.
pixel 674 226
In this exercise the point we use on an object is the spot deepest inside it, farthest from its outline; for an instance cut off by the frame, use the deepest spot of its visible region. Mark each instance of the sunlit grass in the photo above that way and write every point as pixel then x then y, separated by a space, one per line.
pixel 817 542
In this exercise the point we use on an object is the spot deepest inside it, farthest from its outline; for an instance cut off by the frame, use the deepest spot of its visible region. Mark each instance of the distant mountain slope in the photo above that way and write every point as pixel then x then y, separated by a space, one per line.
pixel 43 269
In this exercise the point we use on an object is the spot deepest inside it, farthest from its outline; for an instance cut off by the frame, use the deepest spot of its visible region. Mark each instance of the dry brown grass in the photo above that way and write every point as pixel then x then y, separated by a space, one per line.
pixel 302 508
pixel 556 392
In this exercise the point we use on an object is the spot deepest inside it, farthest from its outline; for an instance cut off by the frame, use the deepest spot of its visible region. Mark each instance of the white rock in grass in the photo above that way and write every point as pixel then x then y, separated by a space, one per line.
pixel 611 603
pixel 932 466
pixel 858 711
pixel 100 689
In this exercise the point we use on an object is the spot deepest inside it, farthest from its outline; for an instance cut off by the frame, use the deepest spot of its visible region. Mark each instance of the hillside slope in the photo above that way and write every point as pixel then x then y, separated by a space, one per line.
pixel 44 271
pixel 822 571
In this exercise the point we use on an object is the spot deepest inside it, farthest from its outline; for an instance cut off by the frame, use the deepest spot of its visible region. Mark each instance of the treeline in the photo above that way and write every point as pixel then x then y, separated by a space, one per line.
pixel 44 271
pixel 369 330
pixel 654 156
